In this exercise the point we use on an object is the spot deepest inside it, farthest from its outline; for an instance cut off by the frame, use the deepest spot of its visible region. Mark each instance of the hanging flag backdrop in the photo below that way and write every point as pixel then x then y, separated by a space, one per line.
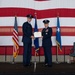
pixel 45 9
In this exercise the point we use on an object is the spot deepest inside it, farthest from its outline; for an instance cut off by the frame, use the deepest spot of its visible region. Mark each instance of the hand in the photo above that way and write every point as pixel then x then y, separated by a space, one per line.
pixel 32 37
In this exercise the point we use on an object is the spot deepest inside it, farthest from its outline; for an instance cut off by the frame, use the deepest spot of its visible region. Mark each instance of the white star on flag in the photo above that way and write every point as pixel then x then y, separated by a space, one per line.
pixel 58 29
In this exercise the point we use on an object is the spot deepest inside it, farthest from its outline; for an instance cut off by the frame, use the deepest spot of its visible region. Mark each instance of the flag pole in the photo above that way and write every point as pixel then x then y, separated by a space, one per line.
pixel 57 55
pixel 35 62
pixel 39 55
pixel 5 53
pixel 13 62
pixel 36 42
pixel 13 56
pixel 13 59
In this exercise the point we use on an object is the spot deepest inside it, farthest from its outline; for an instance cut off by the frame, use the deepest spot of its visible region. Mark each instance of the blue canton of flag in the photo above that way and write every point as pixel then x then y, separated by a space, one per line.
pixel 58 35
pixel 36 40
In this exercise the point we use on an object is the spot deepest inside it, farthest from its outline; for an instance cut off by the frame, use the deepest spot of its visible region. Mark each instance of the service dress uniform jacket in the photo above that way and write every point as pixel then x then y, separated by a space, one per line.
pixel 47 44
pixel 27 42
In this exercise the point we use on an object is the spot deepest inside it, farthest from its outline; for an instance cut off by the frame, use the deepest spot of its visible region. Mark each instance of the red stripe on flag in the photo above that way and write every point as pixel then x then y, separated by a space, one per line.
pixel 9 50
pixel 65 31
pixel 49 13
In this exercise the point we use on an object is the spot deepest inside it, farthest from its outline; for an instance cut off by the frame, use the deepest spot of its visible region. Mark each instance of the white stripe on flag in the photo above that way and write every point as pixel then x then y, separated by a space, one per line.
pixel 52 4
pixel 7 41
pixel 64 21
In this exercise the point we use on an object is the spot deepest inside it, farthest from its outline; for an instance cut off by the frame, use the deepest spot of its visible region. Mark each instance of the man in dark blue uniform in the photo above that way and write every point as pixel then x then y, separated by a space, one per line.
pixel 47 43
pixel 27 40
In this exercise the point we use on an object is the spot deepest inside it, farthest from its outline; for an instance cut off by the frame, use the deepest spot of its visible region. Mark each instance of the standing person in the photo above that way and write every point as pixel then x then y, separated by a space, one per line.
pixel 47 43
pixel 27 40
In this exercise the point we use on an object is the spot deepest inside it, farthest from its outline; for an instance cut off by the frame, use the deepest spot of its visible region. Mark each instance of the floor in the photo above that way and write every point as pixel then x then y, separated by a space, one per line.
pixel 19 69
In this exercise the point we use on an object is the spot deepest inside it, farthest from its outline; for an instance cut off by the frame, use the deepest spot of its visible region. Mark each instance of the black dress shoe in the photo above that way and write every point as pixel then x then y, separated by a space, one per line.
pixel 29 64
pixel 46 65
pixel 25 65
pixel 49 65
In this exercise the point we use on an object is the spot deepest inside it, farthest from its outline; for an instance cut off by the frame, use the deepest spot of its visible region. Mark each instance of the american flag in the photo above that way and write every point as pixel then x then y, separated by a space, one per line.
pixel 15 39
pixel 45 9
